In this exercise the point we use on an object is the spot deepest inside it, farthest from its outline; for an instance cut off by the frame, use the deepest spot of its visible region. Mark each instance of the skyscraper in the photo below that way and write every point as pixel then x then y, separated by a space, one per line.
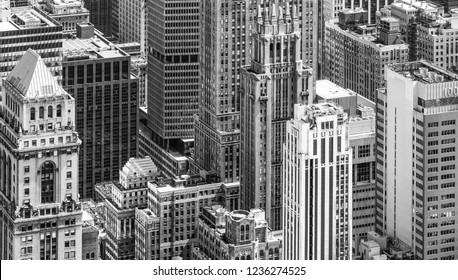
pixel 224 51
pixel 100 14
pixel 275 80
pixel 173 68
pixel 38 166
pixel 132 22
pixel 317 186
pixel 416 159
pixel 98 75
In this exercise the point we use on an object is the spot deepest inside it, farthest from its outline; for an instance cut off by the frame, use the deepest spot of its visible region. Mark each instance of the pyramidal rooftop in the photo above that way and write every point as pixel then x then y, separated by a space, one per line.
pixel 32 78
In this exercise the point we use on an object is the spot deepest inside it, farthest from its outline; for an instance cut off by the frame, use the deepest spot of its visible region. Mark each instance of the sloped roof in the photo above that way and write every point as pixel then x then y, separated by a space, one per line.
pixel 32 77
pixel 140 167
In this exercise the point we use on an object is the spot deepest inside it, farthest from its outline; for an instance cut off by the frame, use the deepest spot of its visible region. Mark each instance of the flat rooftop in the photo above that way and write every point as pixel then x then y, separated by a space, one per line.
pixel 95 47
pixel 366 33
pixel 23 18
pixel 329 90
pixel 424 72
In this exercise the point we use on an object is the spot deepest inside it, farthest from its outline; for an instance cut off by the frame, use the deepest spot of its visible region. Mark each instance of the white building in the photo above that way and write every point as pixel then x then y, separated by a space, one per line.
pixel 38 166
pixel 416 159
pixel 317 185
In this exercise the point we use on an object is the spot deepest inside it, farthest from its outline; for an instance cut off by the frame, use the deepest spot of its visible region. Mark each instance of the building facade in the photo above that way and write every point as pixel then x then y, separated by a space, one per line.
pixel 68 13
pixel 100 14
pixel 355 56
pixel 121 199
pixel 132 22
pixel 98 75
pixel 317 186
pixel 437 40
pixel 29 28
pixel 275 80
pixel 217 127
pixel 416 181
pixel 41 217
pixel 173 68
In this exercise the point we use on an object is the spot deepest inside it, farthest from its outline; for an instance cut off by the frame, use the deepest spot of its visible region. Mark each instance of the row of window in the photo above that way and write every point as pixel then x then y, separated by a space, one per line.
pixel 41 112
pixel 443 123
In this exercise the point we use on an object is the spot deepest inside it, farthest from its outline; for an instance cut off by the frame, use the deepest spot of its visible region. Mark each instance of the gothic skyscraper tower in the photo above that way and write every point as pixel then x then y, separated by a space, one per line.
pixel 270 86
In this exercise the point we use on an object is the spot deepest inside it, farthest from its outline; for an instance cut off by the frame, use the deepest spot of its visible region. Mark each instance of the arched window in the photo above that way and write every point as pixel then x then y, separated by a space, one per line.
pixel 261 254
pixel 59 111
pixel 242 232
pixel 92 256
pixel 41 112
pixel 32 114
pixel 247 232
pixel 47 182
pixel 87 256
pixel 242 258
pixel 248 257
pixel 236 258
pixel 50 112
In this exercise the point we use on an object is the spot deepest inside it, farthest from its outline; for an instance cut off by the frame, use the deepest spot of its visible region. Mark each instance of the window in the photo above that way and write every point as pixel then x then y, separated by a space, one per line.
pixel 50 113
pixel 69 163
pixel 26 169
pixel 448 132
pixel 433 143
pixel 447 150
pixel 26 180
pixel 26 144
pixel 433 134
pixel 32 114
pixel 69 186
pixel 448 141
pixel 449 122
pixel 433 124
pixel 448 185
pixel 59 111
pixel 41 112
pixel 26 191
pixel 47 182
pixel 364 150
pixel 69 174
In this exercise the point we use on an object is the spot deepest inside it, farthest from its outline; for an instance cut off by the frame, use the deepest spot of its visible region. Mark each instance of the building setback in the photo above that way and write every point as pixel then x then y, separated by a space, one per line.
pixel 317 186
pixel 98 75
pixel 40 212
pixel 416 180
pixel 275 80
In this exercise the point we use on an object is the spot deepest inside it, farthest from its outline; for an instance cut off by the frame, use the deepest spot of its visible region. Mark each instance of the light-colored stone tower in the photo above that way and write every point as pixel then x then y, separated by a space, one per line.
pixel 38 166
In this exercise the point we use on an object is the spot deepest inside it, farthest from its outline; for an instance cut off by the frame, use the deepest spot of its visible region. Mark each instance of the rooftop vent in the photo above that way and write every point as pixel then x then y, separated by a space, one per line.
pixel 438 78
